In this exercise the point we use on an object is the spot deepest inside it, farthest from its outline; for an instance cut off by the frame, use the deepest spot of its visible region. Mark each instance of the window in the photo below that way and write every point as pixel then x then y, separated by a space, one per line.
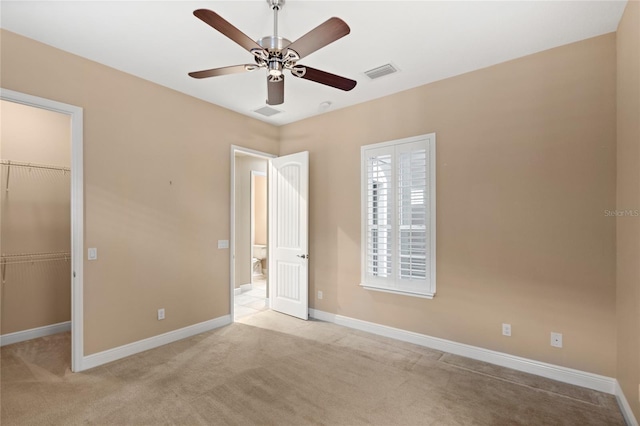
pixel 399 216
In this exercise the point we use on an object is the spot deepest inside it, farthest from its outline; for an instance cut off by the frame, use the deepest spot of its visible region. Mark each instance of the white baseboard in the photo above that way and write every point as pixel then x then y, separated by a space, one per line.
pixel 550 371
pixel 242 289
pixel 114 354
pixel 34 333
pixel 625 407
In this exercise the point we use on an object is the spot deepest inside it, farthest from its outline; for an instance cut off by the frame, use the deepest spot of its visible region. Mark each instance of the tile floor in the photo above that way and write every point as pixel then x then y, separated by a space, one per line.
pixel 252 301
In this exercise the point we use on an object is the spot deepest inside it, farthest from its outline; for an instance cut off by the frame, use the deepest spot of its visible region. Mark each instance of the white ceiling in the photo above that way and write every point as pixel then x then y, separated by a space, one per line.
pixel 162 41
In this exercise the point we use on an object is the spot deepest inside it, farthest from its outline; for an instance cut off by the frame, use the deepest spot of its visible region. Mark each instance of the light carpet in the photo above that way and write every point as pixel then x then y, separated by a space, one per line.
pixel 271 369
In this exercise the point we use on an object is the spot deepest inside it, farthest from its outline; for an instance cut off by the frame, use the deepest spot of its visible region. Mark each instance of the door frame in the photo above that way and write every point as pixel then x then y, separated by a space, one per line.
pixel 232 217
pixel 77 211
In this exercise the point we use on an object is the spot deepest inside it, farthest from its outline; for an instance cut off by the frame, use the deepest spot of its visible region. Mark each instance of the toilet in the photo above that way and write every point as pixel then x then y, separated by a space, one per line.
pixel 259 254
pixel 256 265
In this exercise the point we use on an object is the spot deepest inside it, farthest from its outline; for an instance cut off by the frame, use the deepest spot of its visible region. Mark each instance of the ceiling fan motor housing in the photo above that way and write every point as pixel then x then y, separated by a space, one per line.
pixel 273 44
pixel 279 57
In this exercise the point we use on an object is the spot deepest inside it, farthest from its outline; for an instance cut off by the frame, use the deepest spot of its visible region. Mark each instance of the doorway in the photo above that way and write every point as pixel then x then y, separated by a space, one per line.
pixel 41 220
pixel 249 230
pixel 287 252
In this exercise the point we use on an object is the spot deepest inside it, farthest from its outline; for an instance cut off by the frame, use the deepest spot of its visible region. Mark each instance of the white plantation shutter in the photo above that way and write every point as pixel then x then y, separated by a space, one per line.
pixel 380 200
pixel 398 216
pixel 412 210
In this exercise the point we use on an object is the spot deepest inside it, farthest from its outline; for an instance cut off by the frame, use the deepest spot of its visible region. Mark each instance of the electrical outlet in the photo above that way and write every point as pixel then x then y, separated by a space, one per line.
pixel 556 340
pixel 506 330
pixel 160 314
pixel 320 295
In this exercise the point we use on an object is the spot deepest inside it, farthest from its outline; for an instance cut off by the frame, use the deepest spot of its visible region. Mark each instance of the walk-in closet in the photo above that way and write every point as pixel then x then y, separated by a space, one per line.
pixel 35 222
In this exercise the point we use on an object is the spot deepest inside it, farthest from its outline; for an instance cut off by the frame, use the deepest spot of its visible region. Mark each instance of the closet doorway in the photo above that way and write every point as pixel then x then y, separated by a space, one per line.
pixel 249 251
pixel 41 195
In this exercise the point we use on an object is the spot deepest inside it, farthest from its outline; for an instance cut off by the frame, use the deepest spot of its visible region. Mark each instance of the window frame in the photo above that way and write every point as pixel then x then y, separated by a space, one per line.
pixel 392 284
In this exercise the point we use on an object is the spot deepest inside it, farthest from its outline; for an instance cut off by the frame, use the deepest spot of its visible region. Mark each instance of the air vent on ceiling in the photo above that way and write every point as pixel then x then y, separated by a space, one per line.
pixel 381 71
pixel 267 111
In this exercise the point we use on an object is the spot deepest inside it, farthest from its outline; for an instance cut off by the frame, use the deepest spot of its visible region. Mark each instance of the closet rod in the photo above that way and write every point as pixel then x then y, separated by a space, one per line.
pixel 50 253
pixel 35 257
pixel 34 165
pixel 12 259
pixel 9 163
pixel 15 262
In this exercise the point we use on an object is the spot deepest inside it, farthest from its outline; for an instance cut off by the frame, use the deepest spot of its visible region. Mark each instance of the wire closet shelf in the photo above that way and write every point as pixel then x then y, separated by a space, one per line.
pixel 22 258
pixel 9 164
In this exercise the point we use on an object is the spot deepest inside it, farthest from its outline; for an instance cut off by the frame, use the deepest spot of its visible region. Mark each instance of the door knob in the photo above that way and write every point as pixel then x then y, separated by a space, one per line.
pixel 303 256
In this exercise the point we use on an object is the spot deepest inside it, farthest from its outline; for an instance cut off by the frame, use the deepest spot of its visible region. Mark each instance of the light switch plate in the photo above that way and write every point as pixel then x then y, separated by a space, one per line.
pixel 93 254
pixel 223 244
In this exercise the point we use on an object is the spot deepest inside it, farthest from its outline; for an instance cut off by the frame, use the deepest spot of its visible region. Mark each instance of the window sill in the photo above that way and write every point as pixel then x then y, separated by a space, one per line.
pixel 403 293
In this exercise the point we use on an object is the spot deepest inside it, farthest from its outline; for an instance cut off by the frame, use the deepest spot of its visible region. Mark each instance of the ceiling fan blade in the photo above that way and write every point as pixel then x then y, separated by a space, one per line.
pixel 235 69
pixel 324 77
pixel 222 25
pixel 275 91
pixel 322 35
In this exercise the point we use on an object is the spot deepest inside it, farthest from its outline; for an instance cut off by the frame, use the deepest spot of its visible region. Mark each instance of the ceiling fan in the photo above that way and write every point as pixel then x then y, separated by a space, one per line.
pixel 277 54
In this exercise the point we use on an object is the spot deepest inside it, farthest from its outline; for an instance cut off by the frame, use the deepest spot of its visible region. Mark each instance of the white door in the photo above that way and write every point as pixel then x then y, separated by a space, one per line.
pixel 288 234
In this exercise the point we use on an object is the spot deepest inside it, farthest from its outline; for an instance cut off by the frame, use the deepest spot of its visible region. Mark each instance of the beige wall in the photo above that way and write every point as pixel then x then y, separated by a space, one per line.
pixel 260 210
pixel 156 169
pixel 628 198
pixel 244 166
pixel 525 169
pixel 35 217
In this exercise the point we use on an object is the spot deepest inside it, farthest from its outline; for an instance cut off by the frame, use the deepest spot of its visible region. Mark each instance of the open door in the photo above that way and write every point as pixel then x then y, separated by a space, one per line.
pixel 288 234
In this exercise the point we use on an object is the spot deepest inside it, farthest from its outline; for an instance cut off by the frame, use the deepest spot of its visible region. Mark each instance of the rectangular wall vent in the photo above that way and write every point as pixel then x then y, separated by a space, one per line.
pixel 381 71
pixel 267 111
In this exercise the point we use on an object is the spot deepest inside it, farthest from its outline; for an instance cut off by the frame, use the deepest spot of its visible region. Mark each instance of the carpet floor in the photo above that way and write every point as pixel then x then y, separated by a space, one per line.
pixel 271 369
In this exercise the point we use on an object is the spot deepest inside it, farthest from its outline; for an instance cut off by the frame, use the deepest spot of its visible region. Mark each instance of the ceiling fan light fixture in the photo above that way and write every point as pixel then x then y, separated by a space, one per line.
pixel 275 68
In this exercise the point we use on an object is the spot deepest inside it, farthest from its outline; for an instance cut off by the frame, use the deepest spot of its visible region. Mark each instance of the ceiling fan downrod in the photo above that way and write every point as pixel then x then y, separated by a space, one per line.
pixel 275 6
pixel 275 45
